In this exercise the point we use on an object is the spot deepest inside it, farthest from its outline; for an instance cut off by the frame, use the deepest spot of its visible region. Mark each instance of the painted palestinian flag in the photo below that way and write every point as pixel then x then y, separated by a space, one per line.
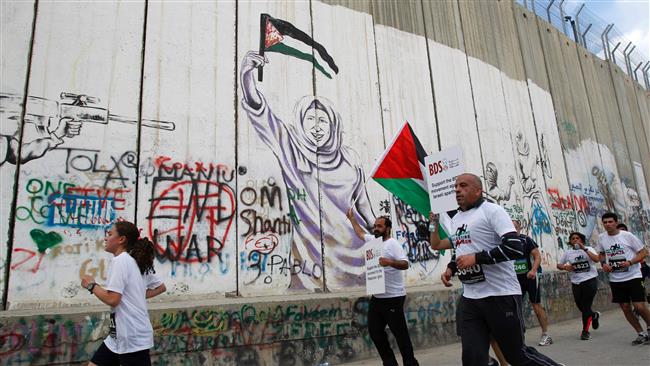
pixel 277 35
pixel 401 171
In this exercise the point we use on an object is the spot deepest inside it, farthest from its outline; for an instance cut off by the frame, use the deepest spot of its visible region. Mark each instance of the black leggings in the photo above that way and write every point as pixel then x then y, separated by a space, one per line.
pixel 501 318
pixel 390 311
pixel 584 294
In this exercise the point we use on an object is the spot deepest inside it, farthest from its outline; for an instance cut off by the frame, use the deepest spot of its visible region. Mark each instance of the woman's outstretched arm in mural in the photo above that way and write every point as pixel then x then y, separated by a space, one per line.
pixel 362 205
pixel 270 129
pixel 251 62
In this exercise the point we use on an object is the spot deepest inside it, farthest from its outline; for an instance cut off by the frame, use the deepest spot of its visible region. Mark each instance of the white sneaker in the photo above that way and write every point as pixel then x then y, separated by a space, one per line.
pixel 545 340
pixel 640 339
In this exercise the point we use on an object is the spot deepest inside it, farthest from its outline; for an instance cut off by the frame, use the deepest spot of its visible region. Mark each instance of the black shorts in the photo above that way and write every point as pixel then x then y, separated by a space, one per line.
pixel 628 291
pixel 530 286
pixel 106 357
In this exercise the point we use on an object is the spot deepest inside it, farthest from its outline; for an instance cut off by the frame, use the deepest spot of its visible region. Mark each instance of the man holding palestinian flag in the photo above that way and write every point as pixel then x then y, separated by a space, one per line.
pixel 400 171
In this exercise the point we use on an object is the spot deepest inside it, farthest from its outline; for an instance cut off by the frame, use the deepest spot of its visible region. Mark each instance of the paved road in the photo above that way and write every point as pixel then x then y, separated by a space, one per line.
pixel 609 345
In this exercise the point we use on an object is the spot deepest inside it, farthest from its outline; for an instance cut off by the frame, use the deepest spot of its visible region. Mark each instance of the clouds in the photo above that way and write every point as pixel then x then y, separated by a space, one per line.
pixel 632 23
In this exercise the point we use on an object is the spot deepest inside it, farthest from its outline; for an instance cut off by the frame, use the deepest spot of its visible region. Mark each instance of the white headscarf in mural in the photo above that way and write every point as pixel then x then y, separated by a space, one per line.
pixel 331 153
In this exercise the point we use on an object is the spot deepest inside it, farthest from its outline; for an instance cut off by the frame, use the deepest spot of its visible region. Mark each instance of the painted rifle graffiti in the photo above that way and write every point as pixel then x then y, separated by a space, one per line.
pixel 71 112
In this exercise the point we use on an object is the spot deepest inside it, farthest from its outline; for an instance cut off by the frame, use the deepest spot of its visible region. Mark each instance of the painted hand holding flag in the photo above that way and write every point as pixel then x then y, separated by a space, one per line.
pixel 277 35
pixel 400 170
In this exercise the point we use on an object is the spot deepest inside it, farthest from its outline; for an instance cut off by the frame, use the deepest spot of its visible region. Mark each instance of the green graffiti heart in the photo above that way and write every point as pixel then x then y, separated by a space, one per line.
pixel 45 240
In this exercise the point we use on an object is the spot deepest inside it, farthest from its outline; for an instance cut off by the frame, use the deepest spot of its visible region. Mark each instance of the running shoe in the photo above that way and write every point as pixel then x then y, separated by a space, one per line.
pixel 640 339
pixel 594 320
pixel 585 336
pixel 545 340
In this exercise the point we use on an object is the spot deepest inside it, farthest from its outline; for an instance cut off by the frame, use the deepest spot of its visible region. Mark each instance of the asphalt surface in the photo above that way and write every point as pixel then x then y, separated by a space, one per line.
pixel 611 344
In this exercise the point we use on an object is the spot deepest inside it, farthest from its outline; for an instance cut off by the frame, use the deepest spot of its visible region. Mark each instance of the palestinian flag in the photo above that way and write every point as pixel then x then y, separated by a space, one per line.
pixel 401 171
pixel 277 35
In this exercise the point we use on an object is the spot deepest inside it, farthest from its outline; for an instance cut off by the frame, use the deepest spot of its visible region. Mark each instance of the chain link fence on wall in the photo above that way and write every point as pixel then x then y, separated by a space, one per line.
pixel 587 28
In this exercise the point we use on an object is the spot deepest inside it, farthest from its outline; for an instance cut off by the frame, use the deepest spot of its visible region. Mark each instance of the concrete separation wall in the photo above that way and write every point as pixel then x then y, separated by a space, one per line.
pixel 137 111
pixel 304 330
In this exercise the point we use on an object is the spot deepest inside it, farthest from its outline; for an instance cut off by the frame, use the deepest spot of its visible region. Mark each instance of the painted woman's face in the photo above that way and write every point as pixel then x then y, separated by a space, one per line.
pixel 317 126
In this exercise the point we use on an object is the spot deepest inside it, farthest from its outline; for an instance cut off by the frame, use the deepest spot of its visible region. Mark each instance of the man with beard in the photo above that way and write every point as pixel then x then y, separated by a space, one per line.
pixel 388 308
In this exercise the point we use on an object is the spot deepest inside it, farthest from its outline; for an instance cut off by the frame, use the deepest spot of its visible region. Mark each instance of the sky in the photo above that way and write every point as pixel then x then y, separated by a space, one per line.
pixel 631 19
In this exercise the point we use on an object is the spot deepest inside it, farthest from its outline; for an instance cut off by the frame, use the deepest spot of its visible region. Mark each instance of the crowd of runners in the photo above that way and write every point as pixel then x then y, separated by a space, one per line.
pixel 496 264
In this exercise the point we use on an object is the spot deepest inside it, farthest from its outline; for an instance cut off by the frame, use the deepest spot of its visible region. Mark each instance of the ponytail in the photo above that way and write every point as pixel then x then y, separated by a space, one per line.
pixel 142 252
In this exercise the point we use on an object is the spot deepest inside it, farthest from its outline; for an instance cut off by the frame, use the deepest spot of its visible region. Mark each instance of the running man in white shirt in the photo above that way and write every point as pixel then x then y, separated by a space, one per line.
pixel 620 254
pixel 388 308
pixel 486 245
pixel 131 280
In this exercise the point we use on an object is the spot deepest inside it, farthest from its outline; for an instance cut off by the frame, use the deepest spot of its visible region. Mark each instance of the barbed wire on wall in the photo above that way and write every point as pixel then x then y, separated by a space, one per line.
pixel 601 38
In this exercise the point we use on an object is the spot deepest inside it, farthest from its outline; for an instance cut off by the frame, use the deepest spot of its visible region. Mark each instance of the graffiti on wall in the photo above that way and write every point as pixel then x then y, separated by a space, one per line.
pixel 411 229
pixel 279 230
pixel 191 214
pixel 495 192
pixel 54 122
pixel 536 219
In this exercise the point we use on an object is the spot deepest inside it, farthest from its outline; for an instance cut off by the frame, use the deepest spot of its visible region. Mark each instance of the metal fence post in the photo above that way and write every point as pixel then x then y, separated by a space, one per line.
pixel 603 36
pixel 637 67
pixel 584 35
pixel 578 21
pixel 646 79
pixel 562 16
pixel 613 54
pixel 548 11
pixel 628 62
pixel 625 57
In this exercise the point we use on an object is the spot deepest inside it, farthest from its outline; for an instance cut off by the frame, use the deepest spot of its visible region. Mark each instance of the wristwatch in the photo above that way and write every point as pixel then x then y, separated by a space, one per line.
pixel 91 286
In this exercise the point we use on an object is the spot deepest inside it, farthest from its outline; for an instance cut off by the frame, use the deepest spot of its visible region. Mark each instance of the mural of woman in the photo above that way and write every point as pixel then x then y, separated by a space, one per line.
pixel 492 184
pixel 310 152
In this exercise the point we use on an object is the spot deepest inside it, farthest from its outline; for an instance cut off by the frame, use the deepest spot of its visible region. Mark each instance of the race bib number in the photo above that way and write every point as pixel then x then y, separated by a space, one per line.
pixel 617 265
pixel 111 327
pixel 473 274
pixel 581 266
pixel 521 266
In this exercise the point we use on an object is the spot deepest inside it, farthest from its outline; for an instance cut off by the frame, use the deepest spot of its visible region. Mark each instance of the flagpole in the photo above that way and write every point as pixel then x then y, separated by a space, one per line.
pixel 260 69
pixel 355 198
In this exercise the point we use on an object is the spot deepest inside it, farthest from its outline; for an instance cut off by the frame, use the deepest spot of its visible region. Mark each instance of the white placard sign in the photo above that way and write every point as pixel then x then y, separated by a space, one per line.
pixel 375 283
pixel 442 169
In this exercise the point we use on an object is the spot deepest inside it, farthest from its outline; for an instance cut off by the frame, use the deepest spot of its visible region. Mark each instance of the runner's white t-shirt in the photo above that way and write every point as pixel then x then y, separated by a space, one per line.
pixel 583 267
pixel 393 277
pixel 619 248
pixel 479 229
pixel 130 329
